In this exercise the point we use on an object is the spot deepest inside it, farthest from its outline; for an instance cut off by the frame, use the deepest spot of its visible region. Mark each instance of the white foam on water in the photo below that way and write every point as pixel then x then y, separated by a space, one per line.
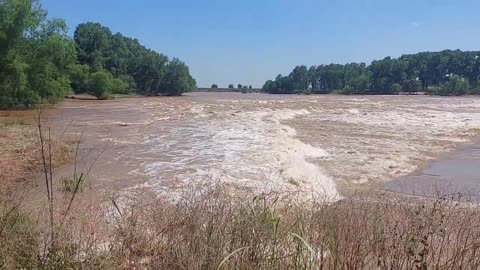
pixel 298 144
pixel 247 150
pixel 388 137
pixel 353 111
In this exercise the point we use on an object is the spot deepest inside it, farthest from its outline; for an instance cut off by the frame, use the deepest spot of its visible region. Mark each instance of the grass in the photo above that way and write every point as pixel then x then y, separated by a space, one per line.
pixel 214 230
pixel 17 150
pixel 8 122
pixel 73 184
pixel 19 153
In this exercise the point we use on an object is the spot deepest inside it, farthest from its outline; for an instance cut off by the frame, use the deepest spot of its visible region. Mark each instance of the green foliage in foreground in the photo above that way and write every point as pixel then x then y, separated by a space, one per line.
pixel 430 72
pixel 40 63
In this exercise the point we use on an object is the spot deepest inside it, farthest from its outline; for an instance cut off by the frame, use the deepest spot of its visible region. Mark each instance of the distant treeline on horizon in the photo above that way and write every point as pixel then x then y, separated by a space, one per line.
pixel 438 73
pixel 40 63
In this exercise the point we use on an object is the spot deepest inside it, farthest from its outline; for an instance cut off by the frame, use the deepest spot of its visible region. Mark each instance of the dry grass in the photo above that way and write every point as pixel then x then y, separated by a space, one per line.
pixel 17 149
pixel 213 230
pixel 19 153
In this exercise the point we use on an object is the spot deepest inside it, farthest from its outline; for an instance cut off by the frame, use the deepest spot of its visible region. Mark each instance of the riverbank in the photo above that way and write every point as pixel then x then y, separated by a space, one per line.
pixel 20 151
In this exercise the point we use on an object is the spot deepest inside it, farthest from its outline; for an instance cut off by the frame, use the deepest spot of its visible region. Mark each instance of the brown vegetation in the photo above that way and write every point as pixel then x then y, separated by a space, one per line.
pixel 210 229
pixel 19 152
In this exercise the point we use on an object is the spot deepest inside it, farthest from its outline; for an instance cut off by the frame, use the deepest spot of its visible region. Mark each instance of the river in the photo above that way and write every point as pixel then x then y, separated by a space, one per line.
pixel 324 146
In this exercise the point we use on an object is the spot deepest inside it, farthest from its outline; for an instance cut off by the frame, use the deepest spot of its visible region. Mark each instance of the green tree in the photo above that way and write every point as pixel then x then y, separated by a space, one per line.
pixel 129 80
pixel 79 75
pixel 239 86
pixel 396 88
pixel 214 86
pixel 177 79
pixel 412 86
pixel 348 90
pixel 51 53
pixel 35 54
pixel 119 86
pixel 326 78
pixel 385 73
pixel 281 85
pixel 455 86
pixel 231 86
pixel 300 78
pixel 93 40
pixel 359 83
pixel 100 84
pixel 149 72
pixel 425 70
pixel 125 58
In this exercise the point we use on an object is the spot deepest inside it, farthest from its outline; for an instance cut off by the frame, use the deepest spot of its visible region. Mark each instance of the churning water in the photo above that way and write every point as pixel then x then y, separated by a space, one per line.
pixel 304 145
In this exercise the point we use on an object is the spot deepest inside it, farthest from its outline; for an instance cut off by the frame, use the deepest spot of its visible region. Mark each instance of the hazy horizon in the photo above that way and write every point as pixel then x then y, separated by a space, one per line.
pixel 248 42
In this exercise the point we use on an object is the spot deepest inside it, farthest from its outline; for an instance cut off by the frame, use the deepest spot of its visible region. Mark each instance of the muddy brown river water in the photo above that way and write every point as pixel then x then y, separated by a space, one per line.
pixel 307 145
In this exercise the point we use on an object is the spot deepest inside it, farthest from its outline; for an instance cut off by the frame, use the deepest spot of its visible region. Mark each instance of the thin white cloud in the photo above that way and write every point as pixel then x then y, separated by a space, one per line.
pixel 414 24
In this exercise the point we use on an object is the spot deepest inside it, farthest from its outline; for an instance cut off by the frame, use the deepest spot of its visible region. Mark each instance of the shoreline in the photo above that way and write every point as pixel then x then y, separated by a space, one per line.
pixel 452 172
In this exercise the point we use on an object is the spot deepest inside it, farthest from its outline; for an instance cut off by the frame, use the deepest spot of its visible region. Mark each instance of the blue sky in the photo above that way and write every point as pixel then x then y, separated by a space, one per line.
pixel 250 41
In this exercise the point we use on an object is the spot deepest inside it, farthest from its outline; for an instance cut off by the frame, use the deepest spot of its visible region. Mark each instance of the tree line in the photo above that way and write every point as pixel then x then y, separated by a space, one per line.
pixel 40 63
pixel 446 72
pixel 231 86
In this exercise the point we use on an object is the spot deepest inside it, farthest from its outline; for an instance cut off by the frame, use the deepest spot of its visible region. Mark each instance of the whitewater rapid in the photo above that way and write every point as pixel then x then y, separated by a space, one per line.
pixel 301 146
pixel 246 150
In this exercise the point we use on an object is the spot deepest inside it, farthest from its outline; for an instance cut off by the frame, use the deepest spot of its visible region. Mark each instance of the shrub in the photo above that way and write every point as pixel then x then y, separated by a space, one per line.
pixel 433 90
pixel 412 86
pixel 119 87
pixel 474 91
pixel 307 92
pixel 19 239
pixel 130 81
pixel 73 184
pixel 100 84
pixel 79 75
pixel 347 90
pixel 359 83
pixel 456 86
pixel 396 88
